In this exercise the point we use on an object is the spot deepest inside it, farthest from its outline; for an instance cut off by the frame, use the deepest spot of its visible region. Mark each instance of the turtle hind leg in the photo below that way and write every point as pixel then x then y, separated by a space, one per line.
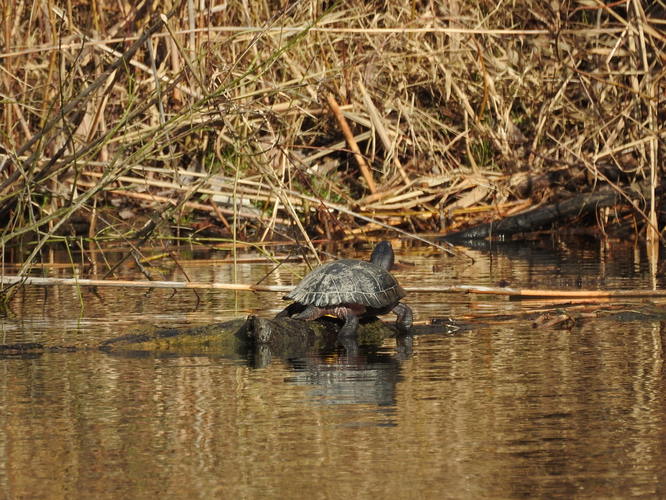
pixel 405 316
pixel 291 310
pixel 309 312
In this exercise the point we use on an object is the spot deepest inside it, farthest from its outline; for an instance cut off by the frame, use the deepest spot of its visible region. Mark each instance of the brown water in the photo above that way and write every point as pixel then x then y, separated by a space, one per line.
pixel 500 410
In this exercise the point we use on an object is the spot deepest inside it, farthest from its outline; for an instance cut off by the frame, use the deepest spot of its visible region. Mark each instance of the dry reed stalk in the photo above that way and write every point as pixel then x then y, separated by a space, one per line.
pixel 353 145
pixel 288 30
pixel 10 280
pixel 482 290
pixel 166 200
pixel 258 193
pixel 239 260
pixel 285 195
pixel 378 124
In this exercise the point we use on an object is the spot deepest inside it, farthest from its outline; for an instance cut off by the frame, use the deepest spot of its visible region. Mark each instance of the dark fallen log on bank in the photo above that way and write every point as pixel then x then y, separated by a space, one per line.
pixel 540 217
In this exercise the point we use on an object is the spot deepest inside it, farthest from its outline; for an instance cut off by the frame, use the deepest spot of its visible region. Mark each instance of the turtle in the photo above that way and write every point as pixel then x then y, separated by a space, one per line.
pixel 350 289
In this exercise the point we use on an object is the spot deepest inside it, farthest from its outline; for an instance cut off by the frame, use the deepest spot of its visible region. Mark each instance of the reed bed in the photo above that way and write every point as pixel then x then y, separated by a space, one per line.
pixel 309 119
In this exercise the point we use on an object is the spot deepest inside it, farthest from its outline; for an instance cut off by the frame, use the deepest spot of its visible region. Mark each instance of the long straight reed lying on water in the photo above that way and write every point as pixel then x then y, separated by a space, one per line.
pixel 485 290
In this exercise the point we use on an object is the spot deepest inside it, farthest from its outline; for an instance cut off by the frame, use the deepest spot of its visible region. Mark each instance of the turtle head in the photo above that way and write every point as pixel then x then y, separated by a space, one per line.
pixel 382 255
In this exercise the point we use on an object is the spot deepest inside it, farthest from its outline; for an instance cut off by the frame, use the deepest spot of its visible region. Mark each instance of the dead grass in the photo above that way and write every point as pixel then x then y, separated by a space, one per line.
pixel 460 112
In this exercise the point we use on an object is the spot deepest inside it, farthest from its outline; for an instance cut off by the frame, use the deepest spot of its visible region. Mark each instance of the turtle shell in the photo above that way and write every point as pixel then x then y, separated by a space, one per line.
pixel 348 281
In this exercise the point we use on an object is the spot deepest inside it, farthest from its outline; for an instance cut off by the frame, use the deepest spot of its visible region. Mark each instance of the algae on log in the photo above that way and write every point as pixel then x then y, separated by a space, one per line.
pixel 217 338
pixel 284 336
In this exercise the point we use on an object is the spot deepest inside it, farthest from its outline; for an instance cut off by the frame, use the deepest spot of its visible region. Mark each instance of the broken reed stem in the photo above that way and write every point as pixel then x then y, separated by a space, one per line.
pixel 483 290
pixel 282 30
pixel 346 131
pixel 382 132
pixel 188 204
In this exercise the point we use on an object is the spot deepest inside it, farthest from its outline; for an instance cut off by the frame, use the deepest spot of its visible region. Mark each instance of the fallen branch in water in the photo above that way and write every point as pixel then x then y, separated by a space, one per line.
pixel 556 315
pixel 483 290
pixel 580 308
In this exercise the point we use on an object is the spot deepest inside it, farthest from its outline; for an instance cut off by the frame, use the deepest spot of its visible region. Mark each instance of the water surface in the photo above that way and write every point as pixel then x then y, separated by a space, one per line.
pixel 498 410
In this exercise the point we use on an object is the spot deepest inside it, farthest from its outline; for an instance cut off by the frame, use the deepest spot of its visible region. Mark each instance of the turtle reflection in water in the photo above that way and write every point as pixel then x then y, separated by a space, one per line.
pixel 350 289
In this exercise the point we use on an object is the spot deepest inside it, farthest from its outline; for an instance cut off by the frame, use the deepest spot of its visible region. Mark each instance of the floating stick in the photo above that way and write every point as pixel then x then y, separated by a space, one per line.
pixel 483 290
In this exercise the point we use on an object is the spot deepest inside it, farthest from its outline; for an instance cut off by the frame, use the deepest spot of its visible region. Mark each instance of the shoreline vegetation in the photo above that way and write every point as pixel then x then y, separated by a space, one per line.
pixel 311 121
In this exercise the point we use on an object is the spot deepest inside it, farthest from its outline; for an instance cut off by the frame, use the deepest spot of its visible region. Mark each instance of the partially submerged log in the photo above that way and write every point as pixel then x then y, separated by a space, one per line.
pixel 259 339
pixel 241 336
pixel 217 338
pixel 235 338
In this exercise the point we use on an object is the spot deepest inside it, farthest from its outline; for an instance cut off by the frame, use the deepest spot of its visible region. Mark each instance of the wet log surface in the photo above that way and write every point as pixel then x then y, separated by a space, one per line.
pixel 258 340
pixel 237 338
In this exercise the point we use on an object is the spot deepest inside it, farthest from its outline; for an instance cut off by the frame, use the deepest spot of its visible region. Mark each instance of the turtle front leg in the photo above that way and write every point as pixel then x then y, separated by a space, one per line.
pixel 405 316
